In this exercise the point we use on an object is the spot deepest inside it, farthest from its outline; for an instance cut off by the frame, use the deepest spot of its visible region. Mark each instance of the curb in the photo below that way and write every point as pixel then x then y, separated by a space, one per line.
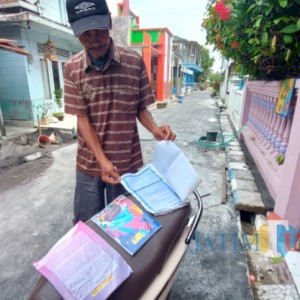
pixel 244 189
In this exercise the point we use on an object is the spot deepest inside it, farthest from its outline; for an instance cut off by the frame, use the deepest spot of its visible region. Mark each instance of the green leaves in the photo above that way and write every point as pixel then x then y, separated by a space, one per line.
pixel 283 3
pixel 277 260
pixel 264 39
pixel 254 41
pixel 269 9
pixel 284 19
pixel 256 58
pixel 258 21
pixel 280 159
pixel 290 28
pixel 267 33
pixel 287 38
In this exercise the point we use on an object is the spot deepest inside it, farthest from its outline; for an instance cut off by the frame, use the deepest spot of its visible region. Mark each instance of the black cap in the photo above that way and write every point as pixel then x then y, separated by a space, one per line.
pixel 90 14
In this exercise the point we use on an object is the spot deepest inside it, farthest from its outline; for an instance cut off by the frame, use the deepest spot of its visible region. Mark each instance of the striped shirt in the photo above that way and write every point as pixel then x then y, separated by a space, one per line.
pixel 111 99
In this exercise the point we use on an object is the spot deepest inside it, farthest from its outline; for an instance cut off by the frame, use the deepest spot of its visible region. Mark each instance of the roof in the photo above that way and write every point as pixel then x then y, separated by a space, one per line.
pixel 193 67
pixel 9 46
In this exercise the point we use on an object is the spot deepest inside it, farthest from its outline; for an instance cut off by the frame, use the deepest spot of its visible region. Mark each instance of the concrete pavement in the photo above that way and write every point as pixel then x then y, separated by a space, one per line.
pixel 35 215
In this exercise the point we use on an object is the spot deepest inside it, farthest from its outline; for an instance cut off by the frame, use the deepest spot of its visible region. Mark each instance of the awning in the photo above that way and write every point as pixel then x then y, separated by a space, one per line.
pixel 193 67
pixel 9 46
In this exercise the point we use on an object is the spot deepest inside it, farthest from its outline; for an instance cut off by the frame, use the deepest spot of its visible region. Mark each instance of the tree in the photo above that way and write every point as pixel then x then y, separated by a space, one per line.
pixel 206 64
pixel 215 80
pixel 262 36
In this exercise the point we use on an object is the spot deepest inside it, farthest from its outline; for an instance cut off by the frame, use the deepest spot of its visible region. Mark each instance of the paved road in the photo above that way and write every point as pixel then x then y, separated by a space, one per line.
pixel 37 213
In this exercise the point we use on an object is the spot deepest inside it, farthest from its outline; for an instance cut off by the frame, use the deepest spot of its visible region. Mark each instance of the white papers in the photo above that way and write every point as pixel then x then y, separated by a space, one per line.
pixel 156 195
pixel 163 185
pixel 174 166
pixel 81 265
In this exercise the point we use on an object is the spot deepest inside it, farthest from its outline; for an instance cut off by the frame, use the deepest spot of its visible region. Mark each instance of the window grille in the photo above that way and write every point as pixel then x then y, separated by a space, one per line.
pixel 60 53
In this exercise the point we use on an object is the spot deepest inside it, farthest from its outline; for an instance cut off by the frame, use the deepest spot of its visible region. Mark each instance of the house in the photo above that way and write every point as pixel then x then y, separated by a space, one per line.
pixel 8 45
pixel 27 83
pixel 186 63
pixel 173 63
pixel 155 46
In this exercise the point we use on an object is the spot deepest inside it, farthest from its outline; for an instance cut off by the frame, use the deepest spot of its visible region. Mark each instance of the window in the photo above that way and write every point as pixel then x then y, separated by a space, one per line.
pixel 52 73
pixel 55 72
pixel 52 70
pixel 46 81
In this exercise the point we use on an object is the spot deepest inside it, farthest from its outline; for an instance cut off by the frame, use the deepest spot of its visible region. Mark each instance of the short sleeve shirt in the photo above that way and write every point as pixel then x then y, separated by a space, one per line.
pixel 111 99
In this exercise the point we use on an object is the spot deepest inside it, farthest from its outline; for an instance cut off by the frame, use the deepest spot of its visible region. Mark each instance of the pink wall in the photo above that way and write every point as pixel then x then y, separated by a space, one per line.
pixel 283 181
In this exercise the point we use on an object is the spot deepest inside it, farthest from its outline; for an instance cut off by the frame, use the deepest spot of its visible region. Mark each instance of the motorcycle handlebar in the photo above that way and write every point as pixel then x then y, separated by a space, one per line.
pixel 197 217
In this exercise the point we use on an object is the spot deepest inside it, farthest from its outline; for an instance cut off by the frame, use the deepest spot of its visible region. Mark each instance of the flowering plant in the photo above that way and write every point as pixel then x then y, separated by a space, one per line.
pixel 261 36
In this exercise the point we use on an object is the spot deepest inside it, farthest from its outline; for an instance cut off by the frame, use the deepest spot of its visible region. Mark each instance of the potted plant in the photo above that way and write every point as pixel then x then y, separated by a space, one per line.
pixel 58 100
pixel 43 111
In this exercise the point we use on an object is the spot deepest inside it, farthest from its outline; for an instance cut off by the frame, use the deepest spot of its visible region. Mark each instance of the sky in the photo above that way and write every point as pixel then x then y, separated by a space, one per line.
pixel 182 17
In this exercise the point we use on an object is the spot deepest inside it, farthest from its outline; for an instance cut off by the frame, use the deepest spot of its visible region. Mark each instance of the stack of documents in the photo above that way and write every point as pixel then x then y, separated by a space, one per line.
pixel 164 184
pixel 82 265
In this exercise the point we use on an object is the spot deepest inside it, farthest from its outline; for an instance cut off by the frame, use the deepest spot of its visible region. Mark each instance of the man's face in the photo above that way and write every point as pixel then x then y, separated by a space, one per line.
pixel 95 41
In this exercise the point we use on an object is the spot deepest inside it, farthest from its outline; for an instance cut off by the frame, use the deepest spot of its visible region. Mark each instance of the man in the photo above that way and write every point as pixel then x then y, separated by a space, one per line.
pixel 107 87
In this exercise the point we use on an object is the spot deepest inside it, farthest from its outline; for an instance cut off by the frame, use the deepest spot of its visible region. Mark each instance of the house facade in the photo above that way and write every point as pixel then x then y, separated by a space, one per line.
pixel 8 45
pixel 27 84
pixel 156 51
pixel 186 63
pixel 173 63
pixel 155 46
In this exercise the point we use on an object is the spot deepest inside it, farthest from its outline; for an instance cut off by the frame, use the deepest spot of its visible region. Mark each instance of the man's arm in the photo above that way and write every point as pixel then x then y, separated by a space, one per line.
pixel 109 172
pixel 163 132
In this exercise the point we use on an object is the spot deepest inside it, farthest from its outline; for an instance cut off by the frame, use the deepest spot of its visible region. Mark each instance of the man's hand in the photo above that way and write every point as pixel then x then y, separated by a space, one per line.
pixel 110 173
pixel 160 133
pixel 164 132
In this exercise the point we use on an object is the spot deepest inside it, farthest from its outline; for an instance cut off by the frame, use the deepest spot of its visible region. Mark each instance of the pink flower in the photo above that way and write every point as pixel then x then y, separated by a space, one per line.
pixel 223 11
pixel 219 6
pixel 225 14
pixel 235 45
